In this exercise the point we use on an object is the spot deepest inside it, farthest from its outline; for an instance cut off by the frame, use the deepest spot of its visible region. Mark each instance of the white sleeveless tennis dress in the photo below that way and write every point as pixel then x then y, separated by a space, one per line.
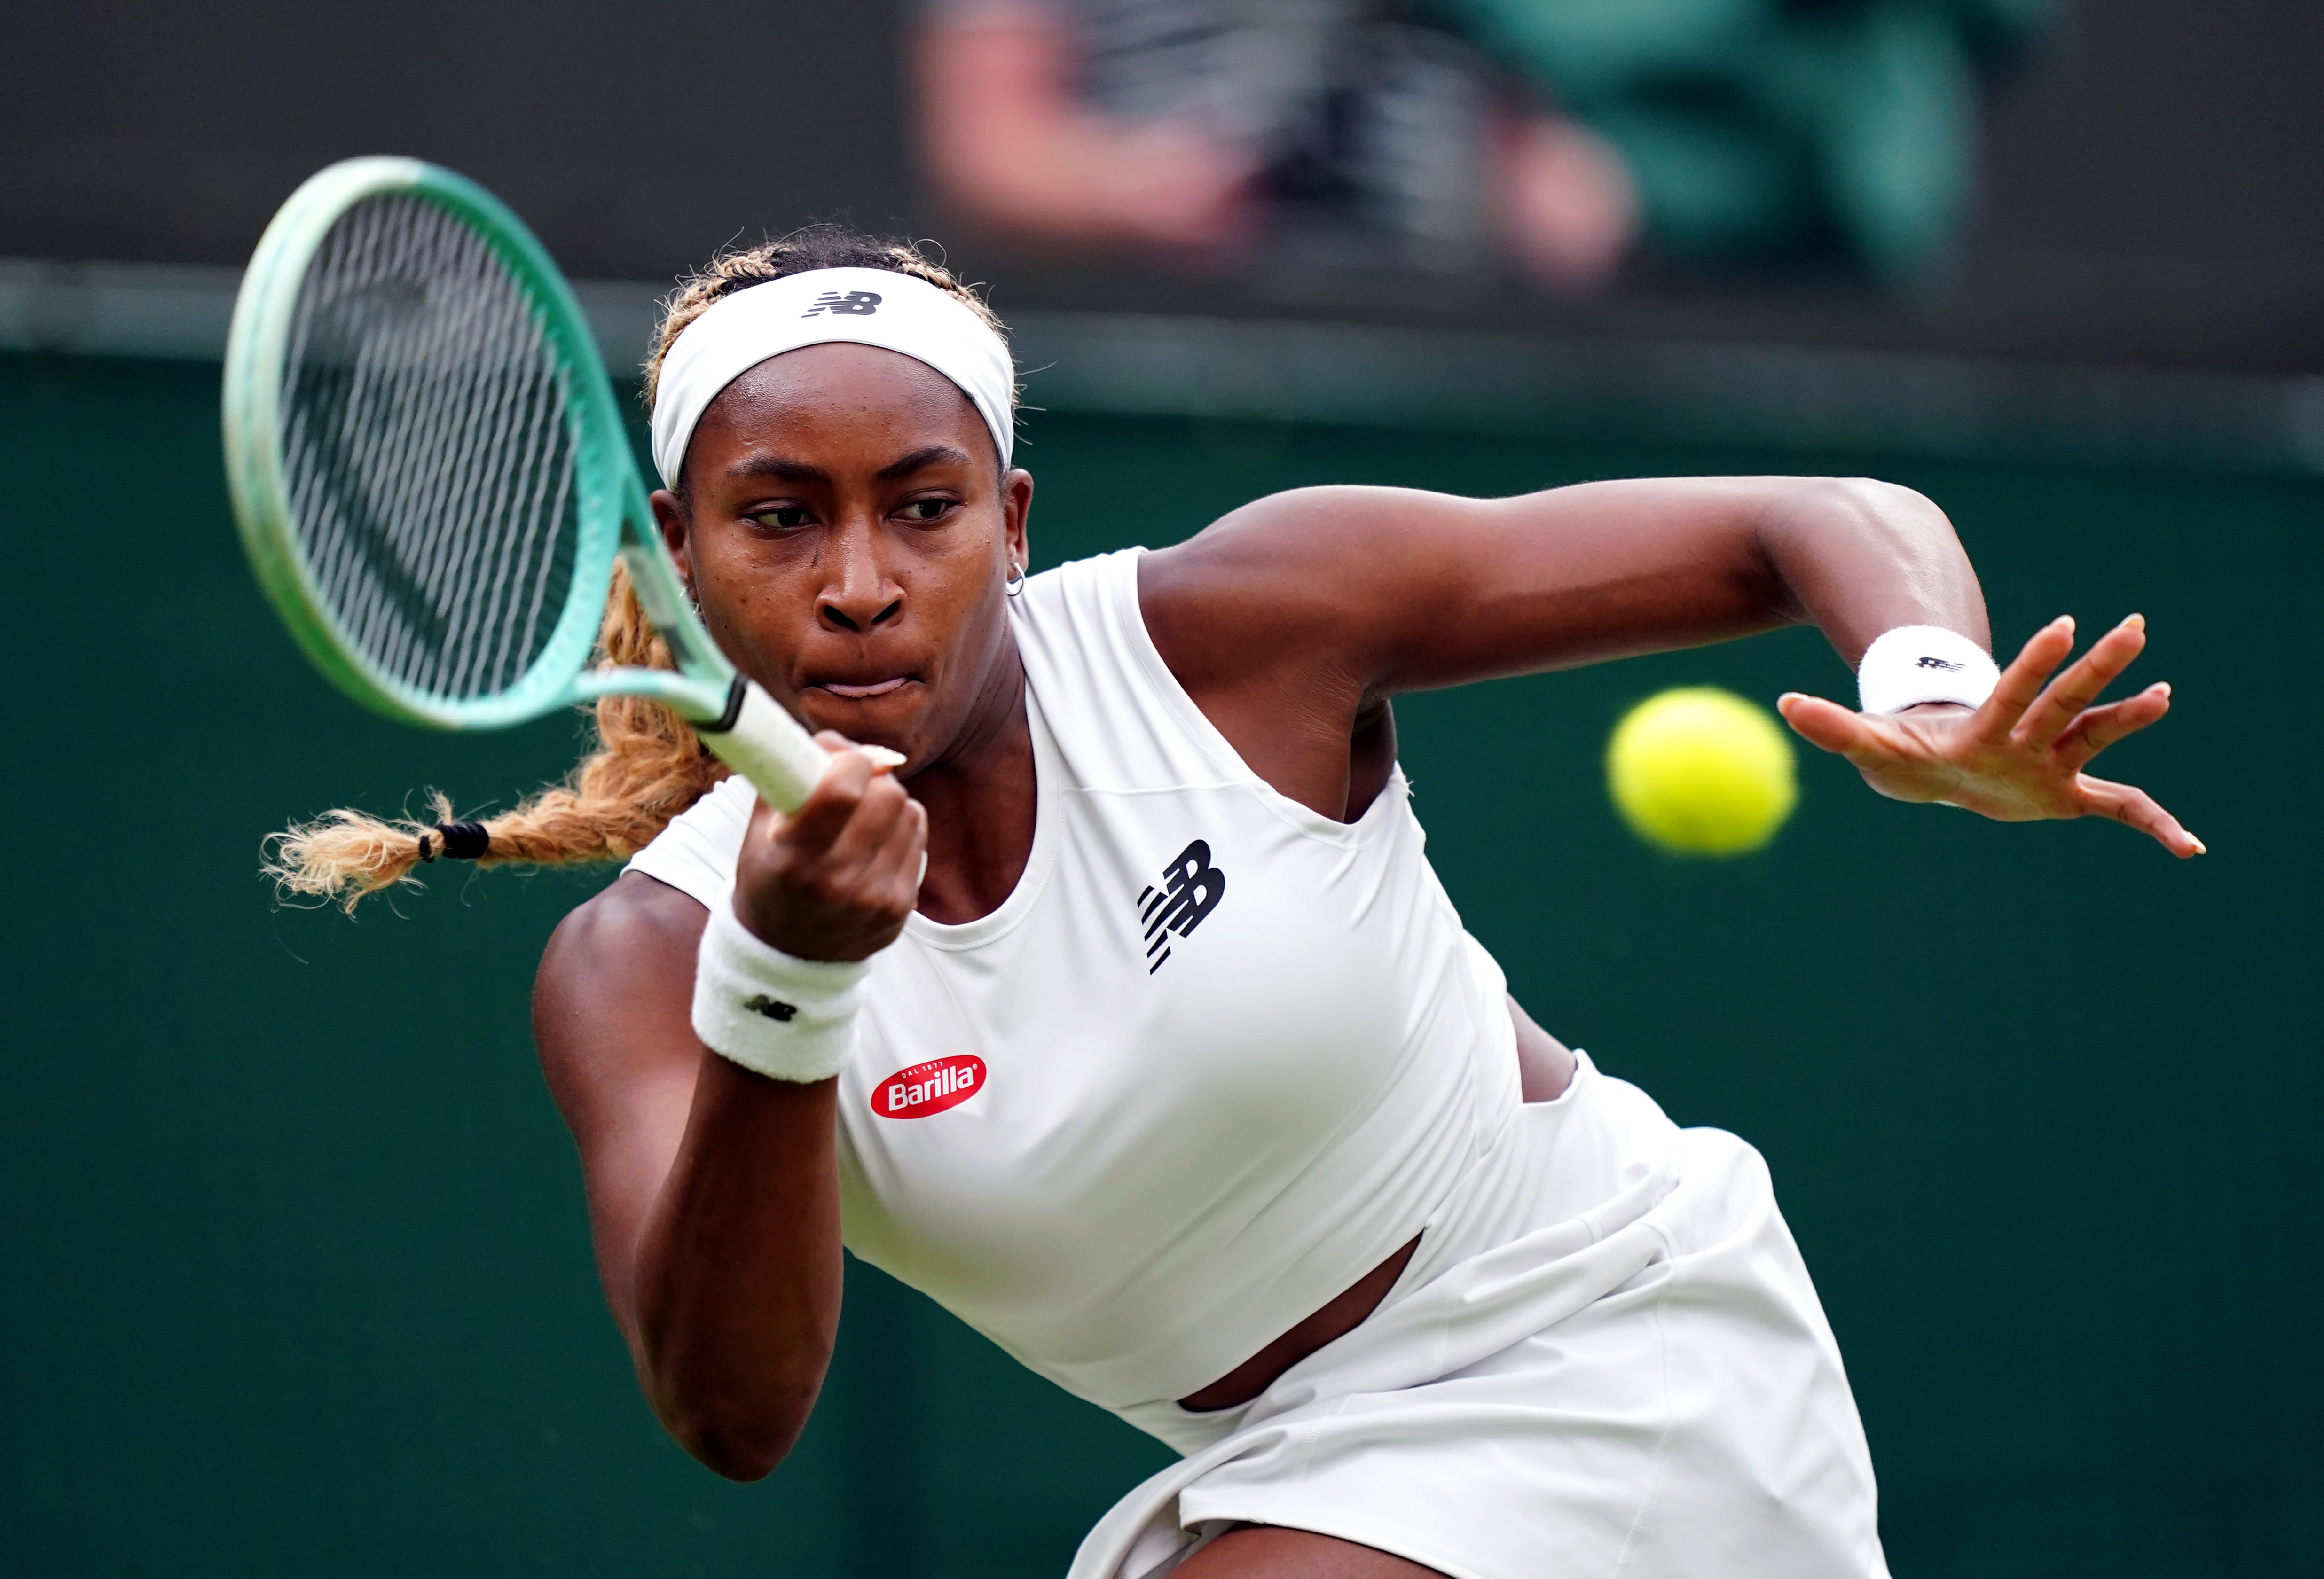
pixel 1214 1059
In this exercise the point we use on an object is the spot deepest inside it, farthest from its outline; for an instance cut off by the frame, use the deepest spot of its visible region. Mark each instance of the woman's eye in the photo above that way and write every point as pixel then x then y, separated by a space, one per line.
pixel 784 517
pixel 929 509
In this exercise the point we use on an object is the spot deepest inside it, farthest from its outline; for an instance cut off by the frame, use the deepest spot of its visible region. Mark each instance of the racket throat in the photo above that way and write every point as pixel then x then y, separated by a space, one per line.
pixel 760 741
pixel 723 724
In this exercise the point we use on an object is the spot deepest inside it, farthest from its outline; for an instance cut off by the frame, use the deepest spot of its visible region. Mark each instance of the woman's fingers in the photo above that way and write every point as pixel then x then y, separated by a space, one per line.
pixel 896 868
pixel 2100 727
pixel 2134 808
pixel 826 813
pixel 1827 724
pixel 2022 681
pixel 812 884
pixel 883 807
pixel 1870 745
pixel 832 741
pixel 2066 697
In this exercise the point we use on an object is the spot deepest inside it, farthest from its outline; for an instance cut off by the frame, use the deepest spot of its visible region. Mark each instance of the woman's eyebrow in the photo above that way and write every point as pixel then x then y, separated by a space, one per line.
pixel 935 454
pixel 777 466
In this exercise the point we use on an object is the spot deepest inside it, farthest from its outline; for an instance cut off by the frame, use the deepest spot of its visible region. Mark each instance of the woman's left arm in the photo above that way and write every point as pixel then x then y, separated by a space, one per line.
pixel 1307 603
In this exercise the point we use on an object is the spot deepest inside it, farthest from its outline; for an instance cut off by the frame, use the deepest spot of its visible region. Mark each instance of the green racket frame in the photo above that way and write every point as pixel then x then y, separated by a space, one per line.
pixel 738 720
pixel 613 517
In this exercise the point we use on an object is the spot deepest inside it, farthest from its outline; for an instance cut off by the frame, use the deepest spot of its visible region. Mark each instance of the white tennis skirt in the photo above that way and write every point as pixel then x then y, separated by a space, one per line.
pixel 1604 1359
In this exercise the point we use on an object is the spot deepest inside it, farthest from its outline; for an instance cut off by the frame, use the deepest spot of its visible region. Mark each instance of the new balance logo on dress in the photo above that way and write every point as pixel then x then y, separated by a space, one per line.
pixel 1190 889
pixel 856 303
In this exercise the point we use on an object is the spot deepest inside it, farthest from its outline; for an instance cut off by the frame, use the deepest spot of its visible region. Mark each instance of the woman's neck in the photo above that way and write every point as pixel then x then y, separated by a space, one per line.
pixel 980 797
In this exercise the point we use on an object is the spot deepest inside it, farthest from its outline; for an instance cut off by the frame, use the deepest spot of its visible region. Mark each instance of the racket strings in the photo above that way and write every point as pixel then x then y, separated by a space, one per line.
pixel 428 449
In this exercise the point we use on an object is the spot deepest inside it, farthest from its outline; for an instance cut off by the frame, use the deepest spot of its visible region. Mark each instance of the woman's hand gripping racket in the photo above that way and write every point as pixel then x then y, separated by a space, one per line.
pixel 432 479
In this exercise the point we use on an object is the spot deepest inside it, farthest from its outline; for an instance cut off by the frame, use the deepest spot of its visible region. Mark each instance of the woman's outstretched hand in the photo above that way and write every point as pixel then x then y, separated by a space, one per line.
pixel 2019 759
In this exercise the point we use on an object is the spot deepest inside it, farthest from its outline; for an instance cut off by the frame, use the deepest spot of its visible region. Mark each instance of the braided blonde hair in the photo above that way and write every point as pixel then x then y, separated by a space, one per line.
pixel 648 764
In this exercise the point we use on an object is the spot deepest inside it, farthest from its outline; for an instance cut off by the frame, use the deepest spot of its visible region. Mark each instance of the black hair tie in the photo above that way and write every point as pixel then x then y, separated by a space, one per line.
pixel 462 841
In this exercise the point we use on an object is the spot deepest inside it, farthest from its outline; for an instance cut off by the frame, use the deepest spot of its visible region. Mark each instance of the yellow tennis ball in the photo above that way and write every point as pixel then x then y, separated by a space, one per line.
pixel 1701 771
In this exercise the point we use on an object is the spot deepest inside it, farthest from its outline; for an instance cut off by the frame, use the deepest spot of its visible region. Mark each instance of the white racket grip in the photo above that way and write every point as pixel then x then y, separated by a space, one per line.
pixel 767 747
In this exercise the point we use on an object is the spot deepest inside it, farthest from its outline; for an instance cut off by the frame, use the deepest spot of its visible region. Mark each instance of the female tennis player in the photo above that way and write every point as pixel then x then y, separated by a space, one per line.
pixel 1126 1017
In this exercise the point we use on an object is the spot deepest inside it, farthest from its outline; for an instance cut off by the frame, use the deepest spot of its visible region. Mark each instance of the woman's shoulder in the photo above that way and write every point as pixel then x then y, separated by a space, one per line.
pixel 1080 635
pixel 1080 584
pixel 610 1001
pixel 695 852
pixel 634 929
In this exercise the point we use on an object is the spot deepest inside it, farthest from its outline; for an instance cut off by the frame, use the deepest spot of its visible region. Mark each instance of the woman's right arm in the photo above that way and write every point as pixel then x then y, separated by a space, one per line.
pixel 714 1192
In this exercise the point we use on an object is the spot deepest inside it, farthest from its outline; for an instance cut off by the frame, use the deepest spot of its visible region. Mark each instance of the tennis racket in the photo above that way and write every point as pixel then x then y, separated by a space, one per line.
pixel 432 480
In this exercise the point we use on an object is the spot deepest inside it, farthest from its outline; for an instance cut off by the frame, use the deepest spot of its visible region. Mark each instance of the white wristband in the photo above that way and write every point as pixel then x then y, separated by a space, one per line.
pixel 786 1018
pixel 1923 663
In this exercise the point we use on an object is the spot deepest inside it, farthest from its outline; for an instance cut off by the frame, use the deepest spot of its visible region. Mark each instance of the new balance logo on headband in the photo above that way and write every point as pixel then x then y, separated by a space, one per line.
pixel 856 303
pixel 1190 889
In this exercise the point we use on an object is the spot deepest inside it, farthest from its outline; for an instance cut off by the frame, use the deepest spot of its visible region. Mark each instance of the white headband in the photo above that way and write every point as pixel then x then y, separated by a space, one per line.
pixel 863 307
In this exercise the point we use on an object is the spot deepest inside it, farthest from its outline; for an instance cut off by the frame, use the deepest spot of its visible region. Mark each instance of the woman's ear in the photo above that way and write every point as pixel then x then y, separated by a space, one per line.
pixel 677 528
pixel 1017 504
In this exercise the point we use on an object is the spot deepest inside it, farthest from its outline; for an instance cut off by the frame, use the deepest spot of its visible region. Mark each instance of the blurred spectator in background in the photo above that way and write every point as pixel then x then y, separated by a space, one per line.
pixel 1438 137
pixel 1343 135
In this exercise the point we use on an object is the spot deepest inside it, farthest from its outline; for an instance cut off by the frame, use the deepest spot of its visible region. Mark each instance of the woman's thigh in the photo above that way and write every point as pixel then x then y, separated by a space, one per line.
pixel 1262 1551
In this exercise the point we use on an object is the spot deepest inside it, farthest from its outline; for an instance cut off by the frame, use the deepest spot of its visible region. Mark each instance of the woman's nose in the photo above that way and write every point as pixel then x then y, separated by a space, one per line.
pixel 859 595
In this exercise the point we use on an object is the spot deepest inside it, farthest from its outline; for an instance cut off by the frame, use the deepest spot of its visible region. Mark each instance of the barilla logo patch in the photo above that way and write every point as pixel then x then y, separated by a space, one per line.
pixel 929 1088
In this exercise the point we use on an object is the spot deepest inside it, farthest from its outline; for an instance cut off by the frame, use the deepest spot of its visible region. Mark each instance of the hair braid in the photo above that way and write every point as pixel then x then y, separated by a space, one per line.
pixel 648 764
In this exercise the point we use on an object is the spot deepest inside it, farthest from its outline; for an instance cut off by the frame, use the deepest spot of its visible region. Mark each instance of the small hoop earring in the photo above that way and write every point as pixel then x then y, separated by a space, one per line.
pixel 1015 585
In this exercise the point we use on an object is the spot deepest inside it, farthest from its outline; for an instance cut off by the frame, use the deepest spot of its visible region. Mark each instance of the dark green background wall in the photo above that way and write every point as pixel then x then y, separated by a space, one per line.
pixel 294 1274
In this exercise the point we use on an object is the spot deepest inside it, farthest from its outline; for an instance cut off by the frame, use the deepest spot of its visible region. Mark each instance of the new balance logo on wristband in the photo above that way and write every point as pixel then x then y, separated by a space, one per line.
pixel 1926 661
pixel 929 1088
pixel 1190 889
pixel 854 303
pixel 772 1008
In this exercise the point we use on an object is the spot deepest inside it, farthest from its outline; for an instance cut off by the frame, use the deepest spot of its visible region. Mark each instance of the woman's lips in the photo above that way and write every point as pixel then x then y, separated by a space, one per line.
pixel 861 693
